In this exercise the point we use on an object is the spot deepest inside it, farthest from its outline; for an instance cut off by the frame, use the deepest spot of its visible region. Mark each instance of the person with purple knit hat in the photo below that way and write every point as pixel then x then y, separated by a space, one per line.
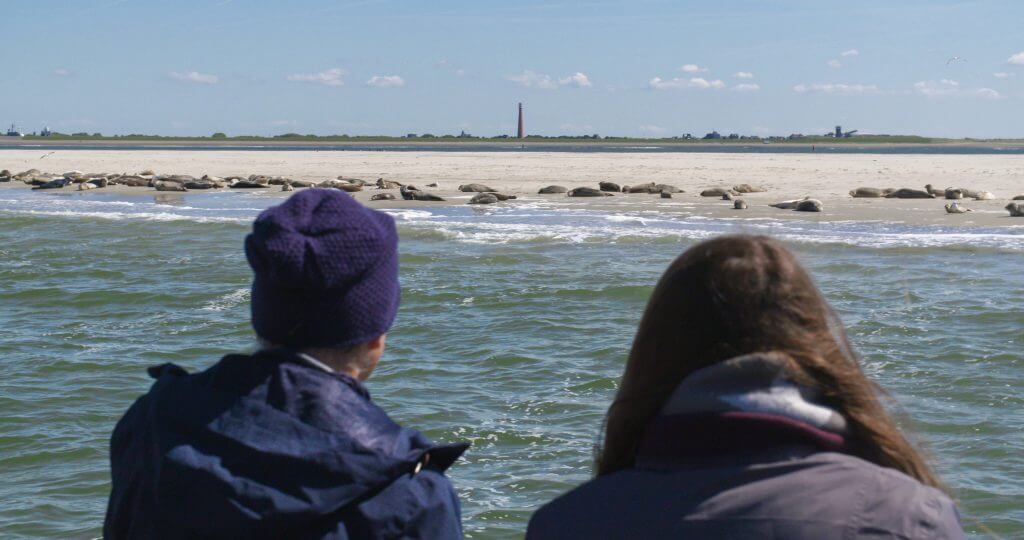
pixel 286 442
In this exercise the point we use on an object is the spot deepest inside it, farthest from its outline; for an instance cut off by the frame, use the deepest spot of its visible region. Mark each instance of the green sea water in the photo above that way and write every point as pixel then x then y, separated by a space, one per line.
pixel 513 330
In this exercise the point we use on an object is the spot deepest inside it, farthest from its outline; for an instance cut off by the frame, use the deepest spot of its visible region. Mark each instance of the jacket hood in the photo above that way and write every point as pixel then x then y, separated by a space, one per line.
pixel 264 441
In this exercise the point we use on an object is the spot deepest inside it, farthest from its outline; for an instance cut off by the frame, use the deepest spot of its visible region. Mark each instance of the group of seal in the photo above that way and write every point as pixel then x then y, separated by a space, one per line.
pixel 931 192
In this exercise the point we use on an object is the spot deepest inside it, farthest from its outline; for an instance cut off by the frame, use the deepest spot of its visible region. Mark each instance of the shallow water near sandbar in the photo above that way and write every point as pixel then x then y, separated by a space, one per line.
pixel 514 326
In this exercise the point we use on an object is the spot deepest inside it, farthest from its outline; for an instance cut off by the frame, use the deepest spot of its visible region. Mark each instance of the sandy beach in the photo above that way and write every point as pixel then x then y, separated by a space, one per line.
pixel 824 176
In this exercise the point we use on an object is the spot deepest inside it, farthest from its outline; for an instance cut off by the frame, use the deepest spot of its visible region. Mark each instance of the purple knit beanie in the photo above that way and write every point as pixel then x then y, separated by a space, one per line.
pixel 326 271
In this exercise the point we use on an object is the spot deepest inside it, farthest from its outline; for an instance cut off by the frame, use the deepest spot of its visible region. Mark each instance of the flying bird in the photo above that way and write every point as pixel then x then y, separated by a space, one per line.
pixel 955 59
pixel 44 155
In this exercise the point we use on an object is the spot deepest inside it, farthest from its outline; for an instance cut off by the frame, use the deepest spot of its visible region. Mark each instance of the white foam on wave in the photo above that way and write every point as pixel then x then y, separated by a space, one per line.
pixel 227 301
pixel 143 216
pixel 515 224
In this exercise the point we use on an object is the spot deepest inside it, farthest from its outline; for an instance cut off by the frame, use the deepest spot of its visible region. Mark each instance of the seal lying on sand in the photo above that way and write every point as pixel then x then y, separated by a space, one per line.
pixel 953 193
pixel 869 192
pixel 53 184
pixel 809 205
pixel 552 189
pixel 954 208
pixel 383 197
pixel 739 204
pixel 788 205
pixel 984 196
pixel 747 188
pixel 1019 198
pixel 908 193
pixel 715 192
pixel 477 188
pixel 412 193
pixel 934 191
pixel 387 184
pixel 609 186
pixel 483 198
pixel 588 192
pixel 169 186
pixel 1016 209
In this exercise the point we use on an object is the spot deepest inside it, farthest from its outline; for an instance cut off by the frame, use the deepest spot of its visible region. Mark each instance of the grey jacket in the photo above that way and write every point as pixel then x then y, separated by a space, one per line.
pixel 740 451
pixel 793 493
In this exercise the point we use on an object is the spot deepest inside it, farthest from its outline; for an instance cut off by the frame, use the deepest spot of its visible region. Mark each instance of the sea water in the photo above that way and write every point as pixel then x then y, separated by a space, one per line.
pixel 514 327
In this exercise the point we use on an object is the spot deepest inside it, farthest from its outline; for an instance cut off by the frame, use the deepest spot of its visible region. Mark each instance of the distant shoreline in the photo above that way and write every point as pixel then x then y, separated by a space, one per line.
pixel 511 144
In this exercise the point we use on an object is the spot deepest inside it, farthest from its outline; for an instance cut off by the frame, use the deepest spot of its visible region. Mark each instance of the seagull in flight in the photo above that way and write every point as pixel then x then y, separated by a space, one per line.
pixel 955 59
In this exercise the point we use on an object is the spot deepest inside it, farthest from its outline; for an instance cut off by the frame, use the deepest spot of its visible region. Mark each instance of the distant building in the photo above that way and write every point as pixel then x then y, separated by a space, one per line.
pixel 45 132
pixel 839 131
pixel 13 132
pixel 713 135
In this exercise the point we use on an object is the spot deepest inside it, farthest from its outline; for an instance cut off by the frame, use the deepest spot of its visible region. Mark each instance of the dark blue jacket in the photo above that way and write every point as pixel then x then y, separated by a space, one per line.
pixel 266 446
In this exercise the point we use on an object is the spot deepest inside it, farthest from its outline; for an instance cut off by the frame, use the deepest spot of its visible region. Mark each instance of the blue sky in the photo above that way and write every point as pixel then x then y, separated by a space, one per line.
pixel 655 68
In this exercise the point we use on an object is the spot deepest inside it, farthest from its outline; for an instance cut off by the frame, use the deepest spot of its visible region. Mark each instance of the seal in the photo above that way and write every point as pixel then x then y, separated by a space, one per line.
pixel 666 187
pixel 809 205
pixel 666 195
pixel 715 192
pixel 549 190
pixel 984 196
pixel 867 193
pixel 388 184
pixel 953 193
pixel 934 191
pixel 739 204
pixel 169 186
pixel 383 197
pixel 747 188
pixel 954 208
pixel 788 205
pixel 412 193
pixel 588 192
pixel 726 197
pixel 287 187
pixel 1016 209
pixel 247 184
pixel 609 186
pixel 483 198
pixel 476 188
pixel 908 193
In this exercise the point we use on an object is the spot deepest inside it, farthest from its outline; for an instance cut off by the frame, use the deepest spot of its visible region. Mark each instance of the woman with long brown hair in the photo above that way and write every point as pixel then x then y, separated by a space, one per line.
pixel 743 413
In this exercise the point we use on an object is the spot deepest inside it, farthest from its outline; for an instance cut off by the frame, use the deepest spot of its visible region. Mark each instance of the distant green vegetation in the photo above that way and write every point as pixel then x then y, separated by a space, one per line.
pixel 462 138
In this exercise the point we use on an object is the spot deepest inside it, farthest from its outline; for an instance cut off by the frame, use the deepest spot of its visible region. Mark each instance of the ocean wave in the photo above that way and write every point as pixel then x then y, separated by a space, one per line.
pixel 144 216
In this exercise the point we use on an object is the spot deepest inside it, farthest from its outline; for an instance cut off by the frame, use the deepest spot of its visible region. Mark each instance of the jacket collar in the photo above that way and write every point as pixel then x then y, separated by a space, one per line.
pixel 747 404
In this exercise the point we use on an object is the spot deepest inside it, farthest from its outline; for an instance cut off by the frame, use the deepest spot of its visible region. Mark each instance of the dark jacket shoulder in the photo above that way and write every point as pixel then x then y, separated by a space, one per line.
pixel 266 446
pixel 794 493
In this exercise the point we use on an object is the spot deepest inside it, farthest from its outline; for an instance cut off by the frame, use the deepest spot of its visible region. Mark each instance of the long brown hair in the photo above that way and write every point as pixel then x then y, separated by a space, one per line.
pixel 741 294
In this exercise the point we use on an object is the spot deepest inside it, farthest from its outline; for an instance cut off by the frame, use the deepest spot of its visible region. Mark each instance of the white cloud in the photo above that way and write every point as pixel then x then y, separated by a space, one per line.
pixel 658 83
pixel 1002 75
pixel 652 129
pixel 1016 59
pixel 195 77
pixel 532 79
pixel 62 72
pixel 330 77
pixel 944 87
pixel 851 52
pixel 833 63
pixel 743 75
pixel 386 81
pixel 746 87
pixel 577 80
pixel 988 93
pixel 837 88
pixel 692 68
